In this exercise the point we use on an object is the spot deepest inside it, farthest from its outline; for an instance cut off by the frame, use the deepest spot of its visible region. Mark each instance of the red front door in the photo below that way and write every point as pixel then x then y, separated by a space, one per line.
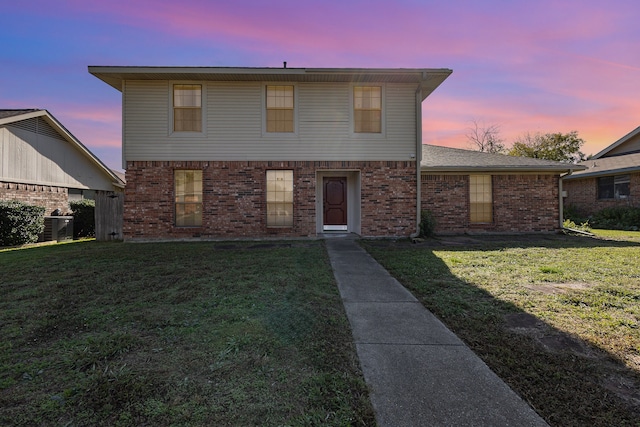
pixel 335 201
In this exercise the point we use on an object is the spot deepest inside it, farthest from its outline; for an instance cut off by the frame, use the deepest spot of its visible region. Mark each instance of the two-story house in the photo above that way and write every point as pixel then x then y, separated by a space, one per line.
pixel 257 152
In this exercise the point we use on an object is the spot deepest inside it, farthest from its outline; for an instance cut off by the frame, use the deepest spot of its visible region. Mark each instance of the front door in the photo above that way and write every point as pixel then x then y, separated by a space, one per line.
pixel 335 203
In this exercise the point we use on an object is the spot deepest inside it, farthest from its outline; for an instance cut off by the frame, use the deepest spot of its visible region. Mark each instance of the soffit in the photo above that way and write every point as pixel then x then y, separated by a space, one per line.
pixel 429 78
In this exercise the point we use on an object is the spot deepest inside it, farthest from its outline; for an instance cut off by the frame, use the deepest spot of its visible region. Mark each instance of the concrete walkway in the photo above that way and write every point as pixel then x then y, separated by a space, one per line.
pixel 418 372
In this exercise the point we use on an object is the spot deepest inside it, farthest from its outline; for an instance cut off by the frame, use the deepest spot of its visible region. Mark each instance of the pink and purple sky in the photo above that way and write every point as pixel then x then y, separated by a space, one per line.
pixel 526 66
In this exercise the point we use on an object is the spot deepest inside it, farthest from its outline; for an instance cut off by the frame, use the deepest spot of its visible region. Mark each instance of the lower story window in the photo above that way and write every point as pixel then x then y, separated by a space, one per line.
pixel 480 198
pixel 188 198
pixel 279 198
pixel 613 187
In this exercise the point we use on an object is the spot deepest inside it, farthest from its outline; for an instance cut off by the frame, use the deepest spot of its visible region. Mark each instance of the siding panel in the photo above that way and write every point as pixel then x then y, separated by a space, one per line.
pixel 46 159
pixel 233 127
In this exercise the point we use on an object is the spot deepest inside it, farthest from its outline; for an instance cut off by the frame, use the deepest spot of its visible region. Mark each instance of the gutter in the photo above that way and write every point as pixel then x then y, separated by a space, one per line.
pixel 418 156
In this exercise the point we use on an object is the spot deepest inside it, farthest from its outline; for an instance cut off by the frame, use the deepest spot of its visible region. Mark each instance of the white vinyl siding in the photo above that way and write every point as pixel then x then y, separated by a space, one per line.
pixel 234 117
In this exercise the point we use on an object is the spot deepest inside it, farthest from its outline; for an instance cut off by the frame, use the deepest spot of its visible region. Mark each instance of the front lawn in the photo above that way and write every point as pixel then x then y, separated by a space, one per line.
pixel 189 334
pixel 557 317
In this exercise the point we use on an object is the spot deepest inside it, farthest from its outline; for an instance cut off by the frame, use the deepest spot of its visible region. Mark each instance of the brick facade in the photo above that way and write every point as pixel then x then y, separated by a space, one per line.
pixel 582 195
pixel 50 197
pixel 521 203
pixel 234 198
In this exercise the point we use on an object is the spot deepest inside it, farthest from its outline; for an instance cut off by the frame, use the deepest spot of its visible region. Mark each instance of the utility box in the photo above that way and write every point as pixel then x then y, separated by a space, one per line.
pixel 58 228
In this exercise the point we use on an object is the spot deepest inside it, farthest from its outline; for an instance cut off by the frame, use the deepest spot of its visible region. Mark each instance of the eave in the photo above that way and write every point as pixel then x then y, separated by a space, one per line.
pixel 428 78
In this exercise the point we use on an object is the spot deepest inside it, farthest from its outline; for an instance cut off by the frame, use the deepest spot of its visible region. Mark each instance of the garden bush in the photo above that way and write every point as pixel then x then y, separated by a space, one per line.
pixel 20 223
pixel 427 223
pixel 84 221
pixel 617 218
pixel 572 213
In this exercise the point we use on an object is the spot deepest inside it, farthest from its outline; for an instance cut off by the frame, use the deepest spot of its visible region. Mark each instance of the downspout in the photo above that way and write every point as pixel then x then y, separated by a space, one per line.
pixel 418 156
pixel 561 202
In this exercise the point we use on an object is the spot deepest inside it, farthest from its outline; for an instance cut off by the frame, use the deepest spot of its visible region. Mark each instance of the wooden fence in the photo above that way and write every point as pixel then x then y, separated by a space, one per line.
pixel 109 213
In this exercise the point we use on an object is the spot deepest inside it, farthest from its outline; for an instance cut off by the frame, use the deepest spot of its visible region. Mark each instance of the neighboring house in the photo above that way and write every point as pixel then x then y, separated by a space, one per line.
pixel 611 178
pixel 471 191
pixel 257 152
pixel 43 164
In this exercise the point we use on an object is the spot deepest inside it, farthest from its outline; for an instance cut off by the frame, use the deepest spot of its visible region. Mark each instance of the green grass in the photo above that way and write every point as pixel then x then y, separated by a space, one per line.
pixel 556 317
pixel 632 236
pixel 189 334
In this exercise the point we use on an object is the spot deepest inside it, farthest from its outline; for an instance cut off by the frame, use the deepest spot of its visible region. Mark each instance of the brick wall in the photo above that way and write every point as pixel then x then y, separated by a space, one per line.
pixel 50 197
pixel 582 195
pixel 447 197
pixel 521 203
pixel 234 204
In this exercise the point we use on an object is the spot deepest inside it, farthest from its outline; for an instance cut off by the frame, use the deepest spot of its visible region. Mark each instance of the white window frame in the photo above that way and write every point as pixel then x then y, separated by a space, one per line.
pixel 203 112
pixel 176 203
pixel 263 98
pixel 383 112
pixel 278 199
pixel 471 193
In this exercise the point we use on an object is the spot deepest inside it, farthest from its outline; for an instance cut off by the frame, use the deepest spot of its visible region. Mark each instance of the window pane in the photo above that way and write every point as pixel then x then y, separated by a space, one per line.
pixel 187 120
pixel 188 198
pixel 605 187
pixel 279 120
pixel 480 198
pixel 367 121
pixel 188 214
pixel 187 96
pixel 279 198
pixel 621 186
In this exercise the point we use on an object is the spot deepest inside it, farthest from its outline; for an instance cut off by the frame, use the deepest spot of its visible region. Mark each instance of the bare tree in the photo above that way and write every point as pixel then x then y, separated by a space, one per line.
pixel 485 138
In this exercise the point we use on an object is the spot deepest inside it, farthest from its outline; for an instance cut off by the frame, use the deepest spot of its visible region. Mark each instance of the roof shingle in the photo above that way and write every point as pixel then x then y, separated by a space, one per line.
pixel 445 159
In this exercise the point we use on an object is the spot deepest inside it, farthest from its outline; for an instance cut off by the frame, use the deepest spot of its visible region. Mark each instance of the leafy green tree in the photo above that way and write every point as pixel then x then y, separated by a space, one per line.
pixel 561 147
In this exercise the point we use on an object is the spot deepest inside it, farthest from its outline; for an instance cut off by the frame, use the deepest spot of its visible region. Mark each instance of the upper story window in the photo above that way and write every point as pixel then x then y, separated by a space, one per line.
pixel 480 199
pixel 187 108
pixel 613 187
pixel 280 108
pixel 367 109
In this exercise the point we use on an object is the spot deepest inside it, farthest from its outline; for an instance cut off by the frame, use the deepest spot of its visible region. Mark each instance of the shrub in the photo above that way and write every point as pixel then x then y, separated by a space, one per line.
pixel 584 226
pixel 427 223
pixel 84 221
pixel 571 212
pixel 617 218
pixel 20 223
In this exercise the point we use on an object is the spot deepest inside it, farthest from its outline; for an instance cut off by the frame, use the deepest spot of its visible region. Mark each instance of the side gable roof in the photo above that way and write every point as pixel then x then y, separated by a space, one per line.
pixel 445 159
pixel 617 148
pixel 11 113
pixel 12 116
